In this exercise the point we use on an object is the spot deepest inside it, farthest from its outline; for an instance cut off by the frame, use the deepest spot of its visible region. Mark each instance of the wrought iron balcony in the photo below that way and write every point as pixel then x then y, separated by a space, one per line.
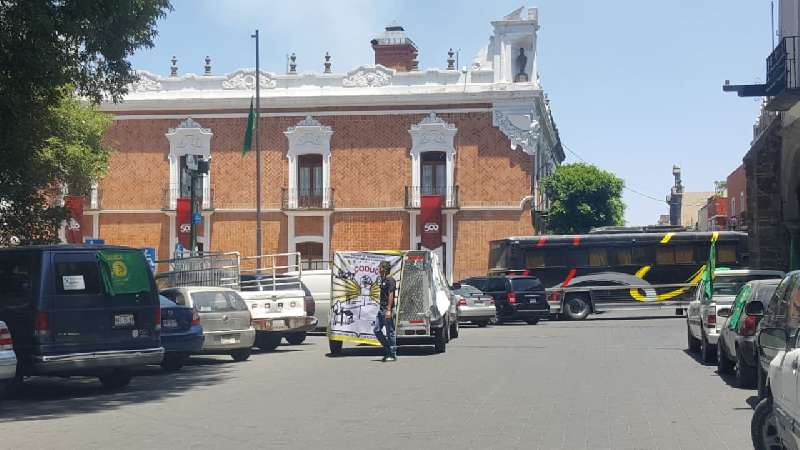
pixel 204 196
pixel 306 199
pixel 413 194
pixel 783 77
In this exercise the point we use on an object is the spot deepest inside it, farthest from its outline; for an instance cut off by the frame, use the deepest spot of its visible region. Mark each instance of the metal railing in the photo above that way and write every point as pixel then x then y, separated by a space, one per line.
pixel 208 269
pixel 205 197
pixel 273 272
pixel 782 70
pixel 316 264
pixel 413 195
pixel 321 198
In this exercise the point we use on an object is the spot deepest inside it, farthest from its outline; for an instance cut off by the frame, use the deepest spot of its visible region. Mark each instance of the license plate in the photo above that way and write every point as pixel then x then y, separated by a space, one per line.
pixel 279 324
pixel 228 340
pixel 169 323
pixel 123 320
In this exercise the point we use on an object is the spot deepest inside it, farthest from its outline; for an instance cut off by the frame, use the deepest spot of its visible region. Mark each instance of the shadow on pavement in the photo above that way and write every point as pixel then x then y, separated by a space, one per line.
pixel 596 318
pixel 370 351
pixel 43 398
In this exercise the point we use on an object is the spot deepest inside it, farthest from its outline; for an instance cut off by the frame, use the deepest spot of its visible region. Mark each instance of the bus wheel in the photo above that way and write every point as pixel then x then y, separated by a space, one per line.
pixel 577 307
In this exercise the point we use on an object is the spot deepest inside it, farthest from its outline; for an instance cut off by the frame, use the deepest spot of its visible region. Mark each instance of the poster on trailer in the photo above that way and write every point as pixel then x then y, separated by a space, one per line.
pixel 355 294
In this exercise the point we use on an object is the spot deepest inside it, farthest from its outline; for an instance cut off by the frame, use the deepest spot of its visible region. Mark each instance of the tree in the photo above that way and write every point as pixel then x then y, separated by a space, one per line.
pixel 50 52
pixel 582 197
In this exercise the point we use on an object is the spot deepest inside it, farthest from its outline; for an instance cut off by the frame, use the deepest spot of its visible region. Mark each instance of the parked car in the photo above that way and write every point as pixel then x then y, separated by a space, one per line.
pixel 702 326
pixel 474 306
pixel 181 333
pixel 736 348
pixel 80 310
pixel 775 418
pixel 224 317
pixel 282 307
pixel 515 297
pixel 8 359
pixel 782 313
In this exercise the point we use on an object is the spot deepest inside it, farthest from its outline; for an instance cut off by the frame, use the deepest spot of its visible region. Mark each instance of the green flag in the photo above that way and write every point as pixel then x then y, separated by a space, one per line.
pixel 124 271
pixel 248 132
pixel 708 273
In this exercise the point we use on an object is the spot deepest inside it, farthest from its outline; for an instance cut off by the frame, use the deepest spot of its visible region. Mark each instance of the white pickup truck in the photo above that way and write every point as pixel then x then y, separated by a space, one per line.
pixel 281 306
pixel 702 326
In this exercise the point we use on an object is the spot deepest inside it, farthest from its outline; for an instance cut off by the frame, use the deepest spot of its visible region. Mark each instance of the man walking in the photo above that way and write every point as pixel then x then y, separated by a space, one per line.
pixel 386 313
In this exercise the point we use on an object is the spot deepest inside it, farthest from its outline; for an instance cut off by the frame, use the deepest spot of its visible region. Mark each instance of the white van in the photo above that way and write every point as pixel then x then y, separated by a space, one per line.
pixel 319 283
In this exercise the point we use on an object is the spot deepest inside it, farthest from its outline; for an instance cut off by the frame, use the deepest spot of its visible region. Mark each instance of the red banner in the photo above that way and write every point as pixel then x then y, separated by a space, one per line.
pixel 431 221
pixel 72 229
pixel 183 220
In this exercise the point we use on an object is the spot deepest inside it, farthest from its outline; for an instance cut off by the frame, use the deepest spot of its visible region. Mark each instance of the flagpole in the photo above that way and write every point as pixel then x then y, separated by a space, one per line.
pixel 258 155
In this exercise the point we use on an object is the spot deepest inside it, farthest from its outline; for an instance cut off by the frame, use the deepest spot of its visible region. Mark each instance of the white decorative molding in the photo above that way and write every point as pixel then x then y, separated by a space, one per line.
pixel 147 82
pixel 188 138
pixel 309 136
pixel 368 76
pixel 246 79
pixel 432 134
pixel 521 127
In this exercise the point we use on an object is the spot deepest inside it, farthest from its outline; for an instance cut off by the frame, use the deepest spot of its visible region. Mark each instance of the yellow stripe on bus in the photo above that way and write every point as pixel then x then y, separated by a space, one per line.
pixel 695 278
pixel 666 238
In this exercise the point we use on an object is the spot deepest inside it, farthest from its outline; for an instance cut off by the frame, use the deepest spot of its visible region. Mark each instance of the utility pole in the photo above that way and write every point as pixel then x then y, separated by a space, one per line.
pixel 258 154
pixel 193 204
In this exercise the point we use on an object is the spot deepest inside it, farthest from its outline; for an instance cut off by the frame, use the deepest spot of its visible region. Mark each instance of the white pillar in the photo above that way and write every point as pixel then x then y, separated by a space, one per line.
pixel 96 226
pixel 171 216
pixel 174 182
pixel 450 178
pixel 412 230
pixel 326 237
pixel 292 194
pixel 207 231
pixel 290 245
pixel 326 180
pixel 416 184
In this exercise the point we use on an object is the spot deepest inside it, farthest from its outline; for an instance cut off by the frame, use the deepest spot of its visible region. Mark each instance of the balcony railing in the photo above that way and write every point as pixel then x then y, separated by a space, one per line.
pixel 414 193
pixel 293 199
pixel 783 77
pixel 205 197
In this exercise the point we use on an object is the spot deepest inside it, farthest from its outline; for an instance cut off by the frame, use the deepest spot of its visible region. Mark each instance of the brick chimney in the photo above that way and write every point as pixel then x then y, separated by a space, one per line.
pixel 393 49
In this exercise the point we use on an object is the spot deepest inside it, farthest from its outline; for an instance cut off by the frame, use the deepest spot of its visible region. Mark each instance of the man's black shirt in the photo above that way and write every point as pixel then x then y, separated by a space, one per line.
pixel 387 286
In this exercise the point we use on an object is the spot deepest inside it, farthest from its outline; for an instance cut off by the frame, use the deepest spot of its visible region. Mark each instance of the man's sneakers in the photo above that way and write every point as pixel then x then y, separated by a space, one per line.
pixel 389 359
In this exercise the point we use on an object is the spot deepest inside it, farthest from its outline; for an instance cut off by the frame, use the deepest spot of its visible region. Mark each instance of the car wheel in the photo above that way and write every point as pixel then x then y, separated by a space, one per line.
pixel 440 340
pixel 268 342
pixel 694 343
pixel 117 379
pixel 577 307
pixel 482 324
pixel 335 346
pixel 454 330
pixel 724 365
pixel 764 427
pixel 745 375
pixel 531 321
pixel 173 362
pixel 707 351
pixel 296 338
pixel 241 354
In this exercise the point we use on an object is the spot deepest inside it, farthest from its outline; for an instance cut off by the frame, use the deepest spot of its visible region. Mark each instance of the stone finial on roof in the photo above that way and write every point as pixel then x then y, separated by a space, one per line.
pixel 451 62
pixel 173 69
pixel 293 64
pixel 207 67
pixel 327 63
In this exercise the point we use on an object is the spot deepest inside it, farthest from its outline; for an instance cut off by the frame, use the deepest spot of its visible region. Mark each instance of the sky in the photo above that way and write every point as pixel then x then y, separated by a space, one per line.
pixel 635 86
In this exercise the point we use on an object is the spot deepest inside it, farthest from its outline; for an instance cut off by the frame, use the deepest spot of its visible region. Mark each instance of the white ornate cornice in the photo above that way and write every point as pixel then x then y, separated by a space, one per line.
pixel 189 138
pixel 246 79
pixel 519 125
pixel 309 136
pixel 432 134
pixel 147 81
pixel 368 76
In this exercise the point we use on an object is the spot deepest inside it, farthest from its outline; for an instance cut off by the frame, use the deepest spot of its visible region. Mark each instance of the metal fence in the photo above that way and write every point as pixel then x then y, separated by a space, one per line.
pixel 273 272
pixel 207 269
pixel 415 287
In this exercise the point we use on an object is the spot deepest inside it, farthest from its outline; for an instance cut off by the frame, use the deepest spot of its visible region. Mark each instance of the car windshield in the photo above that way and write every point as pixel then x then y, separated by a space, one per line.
pixel 764 292
pixel 217 301
pixel 526 284
pixel 731 284
pixel 466 289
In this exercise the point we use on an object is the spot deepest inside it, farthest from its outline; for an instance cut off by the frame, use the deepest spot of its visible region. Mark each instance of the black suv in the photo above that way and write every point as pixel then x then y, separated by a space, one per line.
pixel 781 319
pixel 515 297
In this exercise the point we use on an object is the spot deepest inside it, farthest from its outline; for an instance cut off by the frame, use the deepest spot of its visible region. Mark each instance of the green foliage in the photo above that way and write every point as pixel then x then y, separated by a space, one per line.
pixel 51 51
pixel 582 197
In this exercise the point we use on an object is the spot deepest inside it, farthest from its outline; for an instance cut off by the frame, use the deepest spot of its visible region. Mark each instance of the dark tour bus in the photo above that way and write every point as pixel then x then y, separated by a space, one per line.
pixel 616 269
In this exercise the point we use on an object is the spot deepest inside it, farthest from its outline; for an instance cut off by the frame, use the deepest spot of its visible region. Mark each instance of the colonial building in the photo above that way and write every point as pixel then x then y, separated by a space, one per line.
pixel 349 159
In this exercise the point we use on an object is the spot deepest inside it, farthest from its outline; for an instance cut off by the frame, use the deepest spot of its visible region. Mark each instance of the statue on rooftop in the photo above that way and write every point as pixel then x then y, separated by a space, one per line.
pixel 522 63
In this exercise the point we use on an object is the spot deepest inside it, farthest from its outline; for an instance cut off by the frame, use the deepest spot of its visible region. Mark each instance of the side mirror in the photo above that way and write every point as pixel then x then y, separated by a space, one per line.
pixel 754 308
pixel 724 312
pixel 776 338
pixel 456 286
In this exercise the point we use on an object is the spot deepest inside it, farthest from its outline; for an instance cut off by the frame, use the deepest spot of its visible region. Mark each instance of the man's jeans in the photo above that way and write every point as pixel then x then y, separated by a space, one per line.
pixel 389 341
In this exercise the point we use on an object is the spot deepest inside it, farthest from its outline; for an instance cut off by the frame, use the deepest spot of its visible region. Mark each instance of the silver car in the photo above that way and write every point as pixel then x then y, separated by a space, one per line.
pixel 8 359
pixel 474 306
pixel 224 316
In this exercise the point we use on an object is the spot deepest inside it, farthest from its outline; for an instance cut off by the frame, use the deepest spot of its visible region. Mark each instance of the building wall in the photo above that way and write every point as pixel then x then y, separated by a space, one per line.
pixel 137 230
pixel 235 232
pixel 370 231
pixel 474 230
pixel 737 195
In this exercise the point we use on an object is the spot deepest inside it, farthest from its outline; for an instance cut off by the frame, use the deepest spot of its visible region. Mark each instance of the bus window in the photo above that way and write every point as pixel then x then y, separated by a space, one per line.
pixel 623 256
pixel 642 255
pixel 534 258
pixel 684 254
pixel 665 255
pixel 555 257
pixel 598 257
pixel 577 258
pixel 498 255
pixel 726 254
